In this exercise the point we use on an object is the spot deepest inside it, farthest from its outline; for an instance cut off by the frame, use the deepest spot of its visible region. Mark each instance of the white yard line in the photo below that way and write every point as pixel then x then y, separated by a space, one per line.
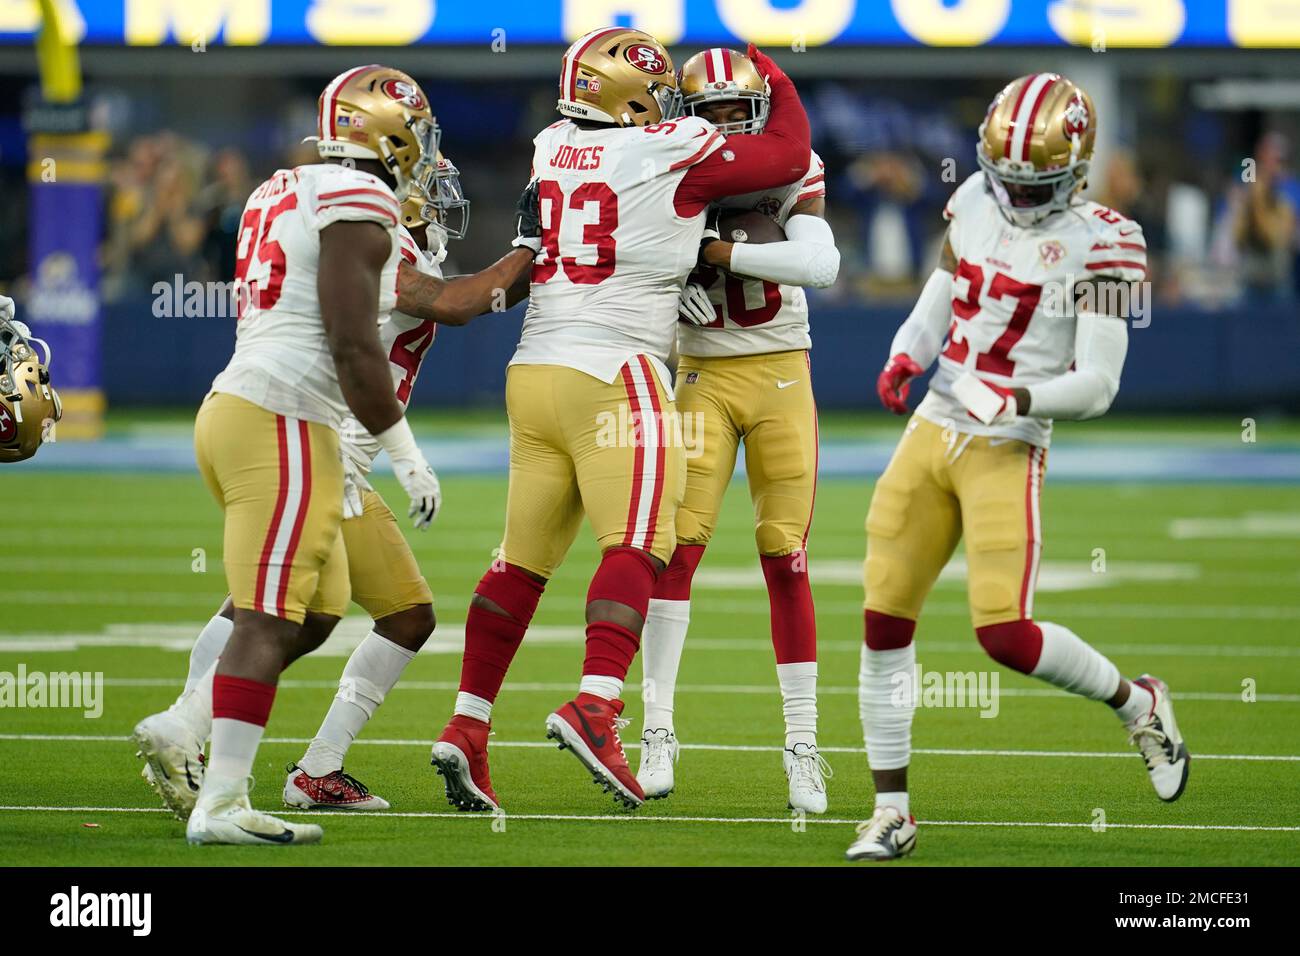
pixel 758 689
pixel 725 748
pixel 638 818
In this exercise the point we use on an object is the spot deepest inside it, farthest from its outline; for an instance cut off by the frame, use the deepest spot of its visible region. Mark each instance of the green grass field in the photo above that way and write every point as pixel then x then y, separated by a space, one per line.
pixel 100 576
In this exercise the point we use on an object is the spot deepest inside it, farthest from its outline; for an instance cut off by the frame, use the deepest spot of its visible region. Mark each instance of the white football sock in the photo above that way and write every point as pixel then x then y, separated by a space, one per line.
pixel 886 702
pixel 369 675
pixel 1070 664
pixel 799 701
pixel 662 639
pixel 234 747
pixel 897 799
pixel 471 705
pixel 601 685
pixel 207 648
pixel 1139 703
pixel 195 705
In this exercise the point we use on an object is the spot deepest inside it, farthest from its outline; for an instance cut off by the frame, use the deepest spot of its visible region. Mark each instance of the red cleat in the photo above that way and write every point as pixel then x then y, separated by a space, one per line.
pixel 460 755
pixel 337 791
pixel 588 725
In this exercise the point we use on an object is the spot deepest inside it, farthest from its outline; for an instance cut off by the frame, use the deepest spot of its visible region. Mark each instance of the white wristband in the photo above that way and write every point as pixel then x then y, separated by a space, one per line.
pixel 398 440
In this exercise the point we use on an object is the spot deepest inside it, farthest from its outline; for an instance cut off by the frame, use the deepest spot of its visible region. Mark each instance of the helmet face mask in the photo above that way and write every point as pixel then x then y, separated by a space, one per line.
pixel 1035 146
pixel 444 198
pixel 720 76
pixel 1028 198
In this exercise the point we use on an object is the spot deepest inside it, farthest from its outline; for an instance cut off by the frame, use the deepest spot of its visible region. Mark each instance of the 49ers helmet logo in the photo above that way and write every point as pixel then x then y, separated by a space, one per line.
pixel 404 92
pixel 8 427
pixel 1076 118
pixel 645 58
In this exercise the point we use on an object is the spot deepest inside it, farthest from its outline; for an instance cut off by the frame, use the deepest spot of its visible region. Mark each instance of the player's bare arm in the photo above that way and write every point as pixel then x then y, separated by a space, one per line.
pixel 352 256
pixel 456 300
pixel 808 256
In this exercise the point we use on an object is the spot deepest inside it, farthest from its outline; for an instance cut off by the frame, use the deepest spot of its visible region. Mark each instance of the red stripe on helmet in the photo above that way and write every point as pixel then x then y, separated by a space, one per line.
pixel 1033 113
pixel 572 91
pixel 334 97
pixel 1011 123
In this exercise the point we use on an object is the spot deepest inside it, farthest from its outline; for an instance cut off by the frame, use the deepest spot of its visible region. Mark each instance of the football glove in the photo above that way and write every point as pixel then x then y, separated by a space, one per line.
pixel 894 382
pixel 413 472
pixel 766 67
pixel 354 483
pixel 711 231
pixel 695 306
pixel 529 219
pixel 985 402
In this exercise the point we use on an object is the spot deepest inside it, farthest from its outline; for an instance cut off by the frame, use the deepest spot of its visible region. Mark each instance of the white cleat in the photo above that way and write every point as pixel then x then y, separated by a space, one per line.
pixel 659 749
pixel 806 770
pixel 1163 748
pixel 173 756
pixel 236 822
pixel 886 836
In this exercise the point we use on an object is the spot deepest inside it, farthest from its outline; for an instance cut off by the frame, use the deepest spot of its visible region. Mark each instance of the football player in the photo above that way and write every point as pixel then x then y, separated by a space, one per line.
pixel 29 405
pixel 744 372
pixel 1016 316
pixel 384 576
pixel 624 186
pixel 316 273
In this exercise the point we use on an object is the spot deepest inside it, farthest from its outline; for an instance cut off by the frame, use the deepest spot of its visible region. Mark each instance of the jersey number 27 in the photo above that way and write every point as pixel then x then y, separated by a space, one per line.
pixel 997 360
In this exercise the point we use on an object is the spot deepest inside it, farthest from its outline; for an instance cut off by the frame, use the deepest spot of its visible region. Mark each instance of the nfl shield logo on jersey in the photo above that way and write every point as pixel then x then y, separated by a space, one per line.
pixel 1052 252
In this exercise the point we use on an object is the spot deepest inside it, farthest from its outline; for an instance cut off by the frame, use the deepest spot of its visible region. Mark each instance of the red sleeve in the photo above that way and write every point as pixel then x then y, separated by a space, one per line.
pixel 776 157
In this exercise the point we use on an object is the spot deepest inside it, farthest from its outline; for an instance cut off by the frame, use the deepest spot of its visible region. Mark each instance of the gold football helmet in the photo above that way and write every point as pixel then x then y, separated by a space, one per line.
pixel 29 405
pixel 620 76
pixel 719 75
pixel 1035 145
pixel 377 112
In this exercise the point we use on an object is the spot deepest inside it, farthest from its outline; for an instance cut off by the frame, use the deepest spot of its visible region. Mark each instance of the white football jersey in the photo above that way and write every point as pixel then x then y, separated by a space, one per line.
pixel 282 360
pixel 615 254
pixel 755 316
pixel 406 340
pixel 1013 294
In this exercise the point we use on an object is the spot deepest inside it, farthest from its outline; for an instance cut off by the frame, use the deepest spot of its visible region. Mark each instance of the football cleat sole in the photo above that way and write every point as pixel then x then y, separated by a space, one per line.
pixel 559 730
pixel 453 766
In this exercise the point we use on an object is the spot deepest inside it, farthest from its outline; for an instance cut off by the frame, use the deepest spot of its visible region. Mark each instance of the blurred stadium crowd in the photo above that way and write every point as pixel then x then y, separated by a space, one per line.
pixel 894 151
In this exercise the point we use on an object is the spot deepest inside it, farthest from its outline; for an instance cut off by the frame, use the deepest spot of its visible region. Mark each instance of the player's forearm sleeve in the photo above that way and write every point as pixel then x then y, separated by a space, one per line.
pixel 808 257
pixel 776 157
pixel 1101 342
pixel 921 335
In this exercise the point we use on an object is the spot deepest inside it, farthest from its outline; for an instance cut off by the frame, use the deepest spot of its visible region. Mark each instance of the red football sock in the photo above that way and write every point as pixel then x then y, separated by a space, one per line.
pixel 491 639
pixel 625 576
pixel 675 583
pixel 884 632
pixel 794 623
pixel 238 698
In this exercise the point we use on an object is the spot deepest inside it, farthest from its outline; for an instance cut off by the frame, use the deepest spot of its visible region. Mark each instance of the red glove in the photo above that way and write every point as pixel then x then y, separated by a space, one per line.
pixel 894 382
pixel 766 67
